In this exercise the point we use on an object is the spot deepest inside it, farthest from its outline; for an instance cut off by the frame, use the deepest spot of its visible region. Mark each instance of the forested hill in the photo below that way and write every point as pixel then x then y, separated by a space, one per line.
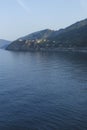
pixel 74 36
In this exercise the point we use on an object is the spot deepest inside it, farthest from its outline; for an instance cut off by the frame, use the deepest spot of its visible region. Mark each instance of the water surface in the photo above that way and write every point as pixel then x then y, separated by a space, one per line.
pixel 43 91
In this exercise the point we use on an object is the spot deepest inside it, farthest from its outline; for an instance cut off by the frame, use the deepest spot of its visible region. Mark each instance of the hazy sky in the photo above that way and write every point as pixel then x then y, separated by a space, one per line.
pixel 21 17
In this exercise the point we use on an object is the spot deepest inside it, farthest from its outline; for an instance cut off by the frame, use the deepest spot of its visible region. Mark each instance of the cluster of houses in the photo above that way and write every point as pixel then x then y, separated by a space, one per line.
pixel 37 42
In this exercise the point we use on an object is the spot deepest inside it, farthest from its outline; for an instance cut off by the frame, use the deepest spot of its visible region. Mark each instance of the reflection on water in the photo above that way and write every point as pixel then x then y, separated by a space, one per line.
pixel 43 91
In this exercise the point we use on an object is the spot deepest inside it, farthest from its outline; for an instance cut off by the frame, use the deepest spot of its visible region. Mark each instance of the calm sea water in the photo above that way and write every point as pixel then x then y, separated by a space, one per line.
pixel 43 91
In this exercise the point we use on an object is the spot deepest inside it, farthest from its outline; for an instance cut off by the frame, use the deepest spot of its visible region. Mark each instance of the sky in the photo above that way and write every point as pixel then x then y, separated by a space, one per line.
pixel 21 17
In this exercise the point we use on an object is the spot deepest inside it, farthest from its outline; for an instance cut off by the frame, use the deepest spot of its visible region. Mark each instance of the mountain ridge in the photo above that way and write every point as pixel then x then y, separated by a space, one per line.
pixel 4 43
pixel 73 36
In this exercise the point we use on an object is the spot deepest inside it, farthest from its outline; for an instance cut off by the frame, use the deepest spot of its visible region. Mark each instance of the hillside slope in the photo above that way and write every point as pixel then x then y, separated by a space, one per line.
pixel 4 43
pixel 74 36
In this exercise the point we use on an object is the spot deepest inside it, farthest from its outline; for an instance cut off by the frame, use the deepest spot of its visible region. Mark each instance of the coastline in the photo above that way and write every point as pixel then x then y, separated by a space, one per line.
pixel 62 49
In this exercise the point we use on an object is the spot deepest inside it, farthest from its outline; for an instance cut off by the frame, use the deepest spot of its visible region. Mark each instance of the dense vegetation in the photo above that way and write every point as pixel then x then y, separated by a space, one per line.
pixel 74 36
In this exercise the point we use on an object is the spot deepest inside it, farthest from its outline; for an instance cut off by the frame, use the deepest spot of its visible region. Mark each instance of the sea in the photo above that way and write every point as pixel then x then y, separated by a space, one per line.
pixel 43 90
